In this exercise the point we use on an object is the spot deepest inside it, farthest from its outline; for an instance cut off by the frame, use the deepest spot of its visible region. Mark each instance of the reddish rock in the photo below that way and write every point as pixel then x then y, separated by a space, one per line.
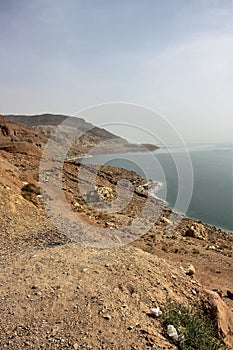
pixel 220 313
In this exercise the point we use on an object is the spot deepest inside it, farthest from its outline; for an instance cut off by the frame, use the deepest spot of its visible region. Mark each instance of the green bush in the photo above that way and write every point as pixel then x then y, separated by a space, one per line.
pixel 195 329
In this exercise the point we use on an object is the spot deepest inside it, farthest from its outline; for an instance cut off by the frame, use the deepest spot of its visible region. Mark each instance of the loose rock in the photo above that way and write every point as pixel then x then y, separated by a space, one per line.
pixel 172 332
pixel 156 311
pixel 189 269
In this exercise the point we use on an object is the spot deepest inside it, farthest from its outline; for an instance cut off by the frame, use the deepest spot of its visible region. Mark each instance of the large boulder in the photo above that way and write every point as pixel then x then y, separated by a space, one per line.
pixel 221 314
pixel 197 231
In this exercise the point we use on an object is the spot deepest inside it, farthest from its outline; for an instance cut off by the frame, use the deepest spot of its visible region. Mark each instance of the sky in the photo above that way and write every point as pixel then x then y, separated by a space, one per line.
pixel 172 57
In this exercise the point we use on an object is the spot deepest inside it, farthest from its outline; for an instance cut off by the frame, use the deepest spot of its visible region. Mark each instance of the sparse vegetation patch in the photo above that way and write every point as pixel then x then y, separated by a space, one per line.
pixel 196 331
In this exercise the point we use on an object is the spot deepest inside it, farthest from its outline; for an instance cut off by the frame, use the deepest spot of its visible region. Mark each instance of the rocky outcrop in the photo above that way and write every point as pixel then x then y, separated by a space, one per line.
pixel 4 129
pixel 12 133
pixel 197 231
pixel 222 315
pixel 24 147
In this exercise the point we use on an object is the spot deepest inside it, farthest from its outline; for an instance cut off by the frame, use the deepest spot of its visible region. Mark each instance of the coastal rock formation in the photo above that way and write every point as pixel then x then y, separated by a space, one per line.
pixel 197 231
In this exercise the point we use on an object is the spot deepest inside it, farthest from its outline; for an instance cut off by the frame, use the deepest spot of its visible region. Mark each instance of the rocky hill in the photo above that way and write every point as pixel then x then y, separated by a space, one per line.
pixel 59 293
pixel 14 133
pixel 89 135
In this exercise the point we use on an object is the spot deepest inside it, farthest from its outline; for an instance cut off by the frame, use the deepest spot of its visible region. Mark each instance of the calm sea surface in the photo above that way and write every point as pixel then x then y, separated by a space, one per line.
pixel 211 199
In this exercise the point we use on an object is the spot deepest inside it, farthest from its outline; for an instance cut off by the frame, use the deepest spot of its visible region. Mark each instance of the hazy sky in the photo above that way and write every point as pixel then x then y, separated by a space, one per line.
pixel 172 56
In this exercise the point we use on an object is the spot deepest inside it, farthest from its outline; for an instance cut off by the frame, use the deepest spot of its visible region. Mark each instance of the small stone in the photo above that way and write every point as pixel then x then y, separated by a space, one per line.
pixel 172 332
pixel 107 317
pixel 156 311
pixel 166 221
pixel 75 346
pixel 54 332
pixel 188 269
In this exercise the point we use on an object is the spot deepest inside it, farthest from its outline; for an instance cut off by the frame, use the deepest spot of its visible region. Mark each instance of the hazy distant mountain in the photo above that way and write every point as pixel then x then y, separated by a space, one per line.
pixel 91 135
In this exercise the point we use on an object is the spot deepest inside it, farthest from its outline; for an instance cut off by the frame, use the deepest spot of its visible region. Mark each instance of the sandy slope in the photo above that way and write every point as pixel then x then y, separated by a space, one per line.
pixel 57 294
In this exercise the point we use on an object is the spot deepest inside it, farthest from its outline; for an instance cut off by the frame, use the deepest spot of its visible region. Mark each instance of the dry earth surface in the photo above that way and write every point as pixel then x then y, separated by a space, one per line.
pixel 60 294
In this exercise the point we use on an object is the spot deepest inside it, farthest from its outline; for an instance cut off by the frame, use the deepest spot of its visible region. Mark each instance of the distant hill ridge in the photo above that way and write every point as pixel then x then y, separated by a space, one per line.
pixel 92 135
pixel 42 119
pixel 56 119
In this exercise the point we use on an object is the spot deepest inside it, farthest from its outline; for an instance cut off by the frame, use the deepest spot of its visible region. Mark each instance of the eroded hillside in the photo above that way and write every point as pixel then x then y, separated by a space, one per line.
pixel 60 294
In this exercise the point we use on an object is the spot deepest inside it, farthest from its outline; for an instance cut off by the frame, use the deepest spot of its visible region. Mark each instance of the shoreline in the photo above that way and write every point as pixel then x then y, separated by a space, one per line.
pixel 222 227
pixel 163 204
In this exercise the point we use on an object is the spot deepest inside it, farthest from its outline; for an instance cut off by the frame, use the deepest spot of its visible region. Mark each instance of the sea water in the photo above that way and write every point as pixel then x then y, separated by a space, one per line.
pixel 210 190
